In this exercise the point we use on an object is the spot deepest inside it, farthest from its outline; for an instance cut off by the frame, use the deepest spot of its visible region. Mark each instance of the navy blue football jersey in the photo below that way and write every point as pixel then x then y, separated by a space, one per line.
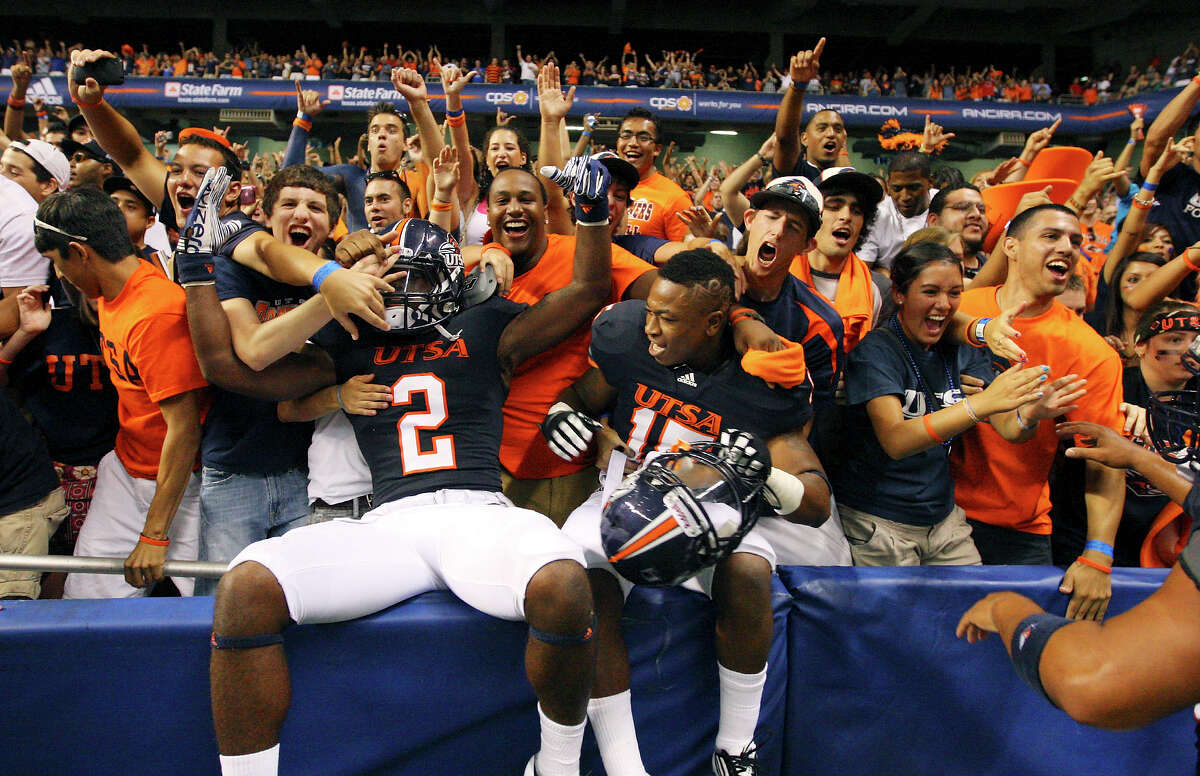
pixel 657 406
pixel 443 428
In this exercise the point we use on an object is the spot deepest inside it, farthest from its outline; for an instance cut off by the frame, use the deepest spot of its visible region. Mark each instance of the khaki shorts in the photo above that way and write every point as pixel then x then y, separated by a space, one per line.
pixel 875 541
pixel 27 532
pixel 554 497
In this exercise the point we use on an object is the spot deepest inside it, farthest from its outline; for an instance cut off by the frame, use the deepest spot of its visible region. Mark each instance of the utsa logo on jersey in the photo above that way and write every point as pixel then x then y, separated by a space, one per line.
pixel 62 369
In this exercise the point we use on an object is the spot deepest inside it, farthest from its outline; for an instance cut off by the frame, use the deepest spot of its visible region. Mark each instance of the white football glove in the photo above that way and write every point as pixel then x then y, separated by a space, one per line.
pixel 568 432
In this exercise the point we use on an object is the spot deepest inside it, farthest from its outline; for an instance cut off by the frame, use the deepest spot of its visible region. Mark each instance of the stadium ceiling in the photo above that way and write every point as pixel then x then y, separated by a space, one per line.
pixel 1008 21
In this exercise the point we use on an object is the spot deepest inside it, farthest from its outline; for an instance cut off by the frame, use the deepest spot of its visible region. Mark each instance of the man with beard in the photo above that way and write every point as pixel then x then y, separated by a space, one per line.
pixel 960 210
pixel 902 212
pixel 89 164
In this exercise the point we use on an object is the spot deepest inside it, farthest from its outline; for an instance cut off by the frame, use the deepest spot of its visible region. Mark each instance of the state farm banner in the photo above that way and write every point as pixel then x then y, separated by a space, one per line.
pixel 729 107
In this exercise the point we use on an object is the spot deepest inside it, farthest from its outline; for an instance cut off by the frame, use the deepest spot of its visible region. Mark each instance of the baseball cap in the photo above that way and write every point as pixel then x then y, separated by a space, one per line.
pixel 795 190
pixel 76 121
pixel 120 183
pixel 618 168
pixel 91 148
pixel 49 157
pixel 865 189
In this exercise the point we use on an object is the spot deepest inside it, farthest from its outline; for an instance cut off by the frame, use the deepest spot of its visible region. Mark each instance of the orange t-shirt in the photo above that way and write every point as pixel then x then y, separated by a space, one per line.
pixel 1025 93
pixel 415 180
pixel 538 381
pixel 146 343
pixel 652 208
pixel 1007 484
pixel 145 65
pixel 180 67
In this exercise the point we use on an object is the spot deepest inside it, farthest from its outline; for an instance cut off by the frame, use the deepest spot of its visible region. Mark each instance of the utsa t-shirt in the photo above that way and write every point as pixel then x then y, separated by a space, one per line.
pixel 659 406
pixel 145 340
pixel 918 489
pixel 443 427
pixel 1005 483
pixel 242 434
pixel 538 381
pixel 652 208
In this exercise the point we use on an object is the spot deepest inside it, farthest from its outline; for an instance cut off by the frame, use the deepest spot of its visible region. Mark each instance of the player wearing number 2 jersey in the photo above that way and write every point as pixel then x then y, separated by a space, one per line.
pixel 440 521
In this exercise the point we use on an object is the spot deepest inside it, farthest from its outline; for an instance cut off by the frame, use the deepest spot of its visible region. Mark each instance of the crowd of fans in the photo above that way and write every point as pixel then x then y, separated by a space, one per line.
pixel 670 69
pixel 885 284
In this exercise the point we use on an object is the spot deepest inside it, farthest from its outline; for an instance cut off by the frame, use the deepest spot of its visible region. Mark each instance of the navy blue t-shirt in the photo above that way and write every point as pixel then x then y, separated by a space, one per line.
pixel 1178 206
pixel 658 405
pixel 244 435
pixel 64 382
pixel 26 474
pixel 443 428
pixel 916 490
pixel 802 315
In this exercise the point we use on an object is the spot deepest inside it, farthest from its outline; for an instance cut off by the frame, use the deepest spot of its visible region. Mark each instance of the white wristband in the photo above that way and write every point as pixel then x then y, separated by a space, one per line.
pixel 787 489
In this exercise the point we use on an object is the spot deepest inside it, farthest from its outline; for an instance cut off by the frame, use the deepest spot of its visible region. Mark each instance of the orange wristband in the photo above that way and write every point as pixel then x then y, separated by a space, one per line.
pixel 1188 260
pixel 83 104
pixel 498 247
pixel 456 121
pixel 1094 564
pixel 1022 162
pixel 439 207
pixel 5 362
pixel 15 103
pixel 155 542
pixel 929 427
pixel 305 125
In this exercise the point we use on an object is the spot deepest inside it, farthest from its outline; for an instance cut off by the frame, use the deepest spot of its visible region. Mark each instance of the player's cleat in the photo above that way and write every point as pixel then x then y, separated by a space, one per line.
pixel 744 764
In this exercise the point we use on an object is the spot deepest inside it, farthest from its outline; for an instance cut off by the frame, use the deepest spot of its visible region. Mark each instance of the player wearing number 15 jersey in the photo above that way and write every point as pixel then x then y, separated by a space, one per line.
pixel 441 521
pixel 667 370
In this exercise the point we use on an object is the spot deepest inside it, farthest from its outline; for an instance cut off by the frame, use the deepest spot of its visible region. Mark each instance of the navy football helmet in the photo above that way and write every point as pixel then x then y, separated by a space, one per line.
pixel 1174 416
pixel 681 513
pixel 431 290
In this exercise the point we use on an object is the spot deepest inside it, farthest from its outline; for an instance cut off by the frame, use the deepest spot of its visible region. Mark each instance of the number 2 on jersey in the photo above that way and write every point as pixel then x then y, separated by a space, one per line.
pixel 413 458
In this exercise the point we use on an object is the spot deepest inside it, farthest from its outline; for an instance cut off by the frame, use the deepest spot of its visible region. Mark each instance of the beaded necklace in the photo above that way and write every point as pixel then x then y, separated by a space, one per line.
pixel 930 397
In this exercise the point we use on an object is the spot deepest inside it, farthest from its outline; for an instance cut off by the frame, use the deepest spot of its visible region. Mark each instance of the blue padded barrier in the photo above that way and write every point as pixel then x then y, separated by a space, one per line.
pixel 428 686
pixel 878 684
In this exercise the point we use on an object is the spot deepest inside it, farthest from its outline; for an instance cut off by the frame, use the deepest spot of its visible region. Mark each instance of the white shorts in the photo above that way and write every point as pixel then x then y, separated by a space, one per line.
pixel 803 545
pixel 583 527
pixel 475 544
pixel 115 519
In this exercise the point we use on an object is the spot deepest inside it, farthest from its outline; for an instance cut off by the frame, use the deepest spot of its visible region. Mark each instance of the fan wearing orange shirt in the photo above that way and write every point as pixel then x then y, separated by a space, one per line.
pixel 147 493
pixel 533 476
pixel 1004 488
pixel 656 202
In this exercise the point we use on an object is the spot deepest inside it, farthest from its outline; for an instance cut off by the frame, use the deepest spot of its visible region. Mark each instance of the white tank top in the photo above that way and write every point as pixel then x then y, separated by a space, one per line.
pixel 476 225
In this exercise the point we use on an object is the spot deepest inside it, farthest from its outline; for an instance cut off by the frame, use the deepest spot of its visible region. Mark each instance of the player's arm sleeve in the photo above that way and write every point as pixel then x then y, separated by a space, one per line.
pixel 161 347
pixel 642 246
pixel 612 334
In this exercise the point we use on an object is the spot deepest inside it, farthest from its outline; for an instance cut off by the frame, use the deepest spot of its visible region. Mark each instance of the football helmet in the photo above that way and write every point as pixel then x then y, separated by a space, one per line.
pixel 1174 416
pixel 432 287
pixel 681 513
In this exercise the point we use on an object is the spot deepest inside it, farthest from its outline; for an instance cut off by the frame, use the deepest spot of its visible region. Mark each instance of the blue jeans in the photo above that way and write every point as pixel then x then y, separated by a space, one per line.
pixel 237 510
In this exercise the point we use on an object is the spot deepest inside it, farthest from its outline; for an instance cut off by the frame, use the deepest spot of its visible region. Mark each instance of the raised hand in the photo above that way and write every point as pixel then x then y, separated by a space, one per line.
pixel 588 180
pixel 1001 337
pixel 1038 140
pixel 454 79
pixel 204 233
pixel 934 136
pixel 308 101
pixel 33 310
pixel 410 84
pixel 805 65
pixel 553 104
pixel 91 91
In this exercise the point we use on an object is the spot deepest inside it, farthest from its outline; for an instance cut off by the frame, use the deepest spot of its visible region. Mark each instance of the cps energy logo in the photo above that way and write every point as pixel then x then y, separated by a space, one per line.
pixel 683 103
pixel 507 98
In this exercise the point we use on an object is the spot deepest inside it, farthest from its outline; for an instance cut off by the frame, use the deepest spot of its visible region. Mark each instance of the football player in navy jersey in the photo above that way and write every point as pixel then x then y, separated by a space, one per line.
pixel 441 521
pixel 667 372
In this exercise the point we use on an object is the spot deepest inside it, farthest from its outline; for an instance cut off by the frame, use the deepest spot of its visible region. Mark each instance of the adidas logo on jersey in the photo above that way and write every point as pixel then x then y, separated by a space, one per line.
pixel 687 378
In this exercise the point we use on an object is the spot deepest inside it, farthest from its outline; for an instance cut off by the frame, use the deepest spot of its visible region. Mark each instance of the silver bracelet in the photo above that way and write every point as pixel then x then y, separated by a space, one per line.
pixel 970 409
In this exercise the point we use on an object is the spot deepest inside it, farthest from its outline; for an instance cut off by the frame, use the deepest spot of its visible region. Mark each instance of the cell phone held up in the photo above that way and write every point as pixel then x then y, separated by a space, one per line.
pixel 106 71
